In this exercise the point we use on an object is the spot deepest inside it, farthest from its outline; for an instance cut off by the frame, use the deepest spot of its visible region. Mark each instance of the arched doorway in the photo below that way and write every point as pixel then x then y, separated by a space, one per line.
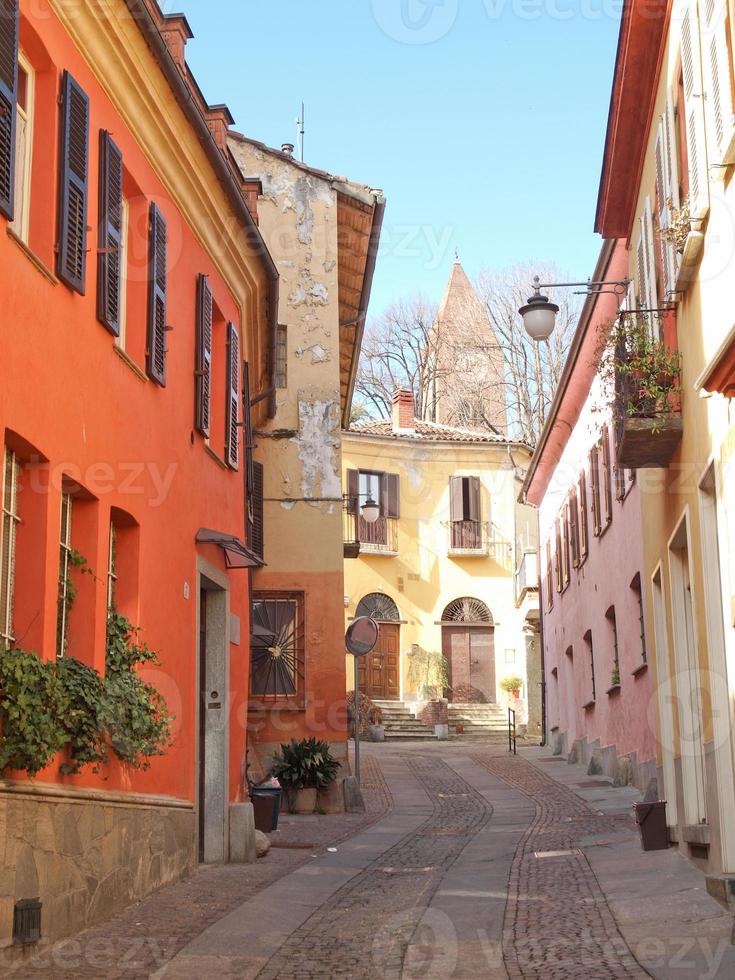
pixel 468 644
pixel 379 672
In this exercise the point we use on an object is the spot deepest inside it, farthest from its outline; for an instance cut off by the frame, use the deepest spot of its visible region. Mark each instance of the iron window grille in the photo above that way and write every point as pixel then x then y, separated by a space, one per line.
pixel 277 646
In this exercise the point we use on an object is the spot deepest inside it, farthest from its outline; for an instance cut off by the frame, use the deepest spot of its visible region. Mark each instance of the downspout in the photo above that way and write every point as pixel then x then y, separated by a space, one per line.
pixel 543 661
pixel 148 27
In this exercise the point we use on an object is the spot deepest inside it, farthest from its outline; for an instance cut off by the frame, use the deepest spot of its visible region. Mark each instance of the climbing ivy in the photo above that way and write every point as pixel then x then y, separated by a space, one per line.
pixel 46 706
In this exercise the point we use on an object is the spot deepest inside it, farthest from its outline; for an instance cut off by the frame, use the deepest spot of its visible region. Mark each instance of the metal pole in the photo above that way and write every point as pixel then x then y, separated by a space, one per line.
pixel 357 724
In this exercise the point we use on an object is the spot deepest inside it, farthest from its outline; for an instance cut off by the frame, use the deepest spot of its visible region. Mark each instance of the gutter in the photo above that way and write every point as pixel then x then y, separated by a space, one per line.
pixel 148 27
pixel 367 285
pixel 608 246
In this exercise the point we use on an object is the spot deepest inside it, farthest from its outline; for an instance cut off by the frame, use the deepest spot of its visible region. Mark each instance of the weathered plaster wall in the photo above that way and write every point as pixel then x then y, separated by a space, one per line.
pixel 300 448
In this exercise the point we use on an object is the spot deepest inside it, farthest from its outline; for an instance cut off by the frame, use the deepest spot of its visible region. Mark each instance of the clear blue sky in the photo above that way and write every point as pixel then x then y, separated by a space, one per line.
pixel 482 120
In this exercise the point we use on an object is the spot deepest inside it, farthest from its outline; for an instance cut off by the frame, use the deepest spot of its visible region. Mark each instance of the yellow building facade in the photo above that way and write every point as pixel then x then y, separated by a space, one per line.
pixel 443 569
pixel 667 188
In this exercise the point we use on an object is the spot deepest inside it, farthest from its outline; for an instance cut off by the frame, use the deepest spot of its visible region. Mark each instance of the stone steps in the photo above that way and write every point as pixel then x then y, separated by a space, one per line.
pixel 401 724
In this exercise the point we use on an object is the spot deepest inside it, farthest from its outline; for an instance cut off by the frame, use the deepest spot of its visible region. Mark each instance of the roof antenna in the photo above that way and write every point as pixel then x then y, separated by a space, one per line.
pixel 300 132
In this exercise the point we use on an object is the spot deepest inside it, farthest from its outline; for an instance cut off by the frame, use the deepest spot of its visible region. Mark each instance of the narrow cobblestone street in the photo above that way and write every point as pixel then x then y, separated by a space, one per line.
pixel 468 863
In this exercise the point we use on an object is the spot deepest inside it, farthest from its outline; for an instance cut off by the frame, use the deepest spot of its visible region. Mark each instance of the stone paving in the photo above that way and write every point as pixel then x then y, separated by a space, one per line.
pixel 557 920
pixel 143 938
pixel 363 931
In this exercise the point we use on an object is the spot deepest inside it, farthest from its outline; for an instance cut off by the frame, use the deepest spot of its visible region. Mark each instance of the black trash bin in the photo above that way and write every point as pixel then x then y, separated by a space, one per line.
pixel 266 806
pixel 651 820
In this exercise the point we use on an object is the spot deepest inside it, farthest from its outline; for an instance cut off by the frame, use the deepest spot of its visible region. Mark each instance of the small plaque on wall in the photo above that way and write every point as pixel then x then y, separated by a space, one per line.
pixel 234 629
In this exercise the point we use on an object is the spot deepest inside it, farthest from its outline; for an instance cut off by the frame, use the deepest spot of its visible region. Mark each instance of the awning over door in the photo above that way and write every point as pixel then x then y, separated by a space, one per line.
pixel 237 553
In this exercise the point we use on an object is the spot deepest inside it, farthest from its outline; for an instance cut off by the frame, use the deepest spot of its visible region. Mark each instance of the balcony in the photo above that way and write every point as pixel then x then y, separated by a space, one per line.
pixel 526 576
pixel 478 539
pixel 647 407
pixel 362 538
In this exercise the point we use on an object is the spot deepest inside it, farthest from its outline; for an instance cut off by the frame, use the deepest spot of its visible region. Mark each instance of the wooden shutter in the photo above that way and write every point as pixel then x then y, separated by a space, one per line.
pixel 9 14
pixel 456 498
pixel 650 257
pixel 109 268
pixel 559 570
pixel 583 520
pixel 662 213
pixel 256 522
pixel 157 281
pixel 718 81
pixel 390 486
pixel 474 512
pixel 607 475
pixel 247 426
pixel 595 479
pixel 641 271
pixel 671 191
pixel 203 387
pixel 71 256
pixel 232 434
pixel 573 509
pixel 694 114
pixel 353 491
pixel 549 578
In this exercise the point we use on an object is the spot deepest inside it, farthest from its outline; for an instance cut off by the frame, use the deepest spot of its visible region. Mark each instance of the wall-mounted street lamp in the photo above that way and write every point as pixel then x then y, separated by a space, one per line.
pixel 370 511
pixel 539 315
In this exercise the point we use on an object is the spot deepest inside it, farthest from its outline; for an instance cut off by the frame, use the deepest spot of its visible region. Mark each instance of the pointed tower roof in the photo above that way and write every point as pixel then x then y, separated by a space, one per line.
pixel 460 312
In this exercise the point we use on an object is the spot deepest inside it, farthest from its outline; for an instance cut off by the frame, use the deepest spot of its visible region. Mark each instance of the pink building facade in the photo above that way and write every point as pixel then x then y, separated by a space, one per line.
pixel 597 680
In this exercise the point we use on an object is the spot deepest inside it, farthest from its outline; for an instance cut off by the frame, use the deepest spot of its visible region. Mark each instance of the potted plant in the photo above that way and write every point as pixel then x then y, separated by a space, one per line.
pixel 428 672
pixel 303 768
pixel 512 685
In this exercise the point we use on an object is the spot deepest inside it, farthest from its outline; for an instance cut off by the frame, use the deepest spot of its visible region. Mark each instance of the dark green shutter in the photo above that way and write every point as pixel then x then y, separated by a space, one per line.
pixel 157 280
pixel 203 356
pixel 256 523
pixel 109 261
pixel 8 97
pixel 71 256
pixel 248 439
pixel 232 434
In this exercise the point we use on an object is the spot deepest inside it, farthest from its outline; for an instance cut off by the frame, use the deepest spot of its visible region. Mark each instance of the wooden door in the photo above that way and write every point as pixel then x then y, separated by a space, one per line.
pixel 379 671
pixel 470 655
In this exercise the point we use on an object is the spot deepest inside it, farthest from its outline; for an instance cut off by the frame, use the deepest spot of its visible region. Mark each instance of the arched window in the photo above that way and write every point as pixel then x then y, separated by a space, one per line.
pixel 468 611
pixel 379 607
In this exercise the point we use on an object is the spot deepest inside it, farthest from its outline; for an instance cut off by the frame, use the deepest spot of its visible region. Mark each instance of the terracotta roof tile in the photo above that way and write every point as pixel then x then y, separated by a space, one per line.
pixel 428 431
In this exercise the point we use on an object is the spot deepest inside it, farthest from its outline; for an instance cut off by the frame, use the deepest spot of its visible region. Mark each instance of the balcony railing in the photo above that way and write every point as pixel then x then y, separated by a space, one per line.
pixel 360 537
pixel 481 539
pixel 648 425
pixel 527 575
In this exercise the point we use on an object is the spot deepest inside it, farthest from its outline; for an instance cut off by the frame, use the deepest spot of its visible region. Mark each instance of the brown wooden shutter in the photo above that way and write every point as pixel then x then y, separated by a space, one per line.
pixel 456 498
pixel 71 256
pixel 574 528
pixel 595 478
pixel 391 484
pixel 607 475
pixel 247 426
pixel 157 282
pixel 474 510
pixel 583 519
pixel 256 523
pixel 203 387
pixel 109 268
pixel 9 14
pixel 232 434
pixel 353 491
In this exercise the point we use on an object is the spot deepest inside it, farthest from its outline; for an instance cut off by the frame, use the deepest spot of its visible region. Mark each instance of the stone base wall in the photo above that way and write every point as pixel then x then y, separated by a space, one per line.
pixel 624 770
pixel 435 713
pixel 85 856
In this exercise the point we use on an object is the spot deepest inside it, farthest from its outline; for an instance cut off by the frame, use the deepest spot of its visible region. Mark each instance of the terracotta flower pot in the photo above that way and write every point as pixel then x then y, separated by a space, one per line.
pixel 304 801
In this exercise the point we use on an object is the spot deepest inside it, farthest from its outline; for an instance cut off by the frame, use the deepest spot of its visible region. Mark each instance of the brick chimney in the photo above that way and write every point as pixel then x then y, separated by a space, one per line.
pixel 176 32
pixel 252 188
pixel 404 417
pixel 219 119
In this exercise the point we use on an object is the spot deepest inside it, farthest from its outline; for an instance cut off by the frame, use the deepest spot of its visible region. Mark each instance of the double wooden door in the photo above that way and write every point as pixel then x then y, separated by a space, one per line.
pixel 470 655
pixel 379 671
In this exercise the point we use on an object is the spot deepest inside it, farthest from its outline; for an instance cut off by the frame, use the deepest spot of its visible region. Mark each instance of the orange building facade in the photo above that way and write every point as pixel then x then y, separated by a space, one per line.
pixel 137 306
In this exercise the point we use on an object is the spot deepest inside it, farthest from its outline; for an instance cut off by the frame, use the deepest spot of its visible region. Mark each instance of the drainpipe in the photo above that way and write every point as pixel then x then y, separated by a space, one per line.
pixel 543 664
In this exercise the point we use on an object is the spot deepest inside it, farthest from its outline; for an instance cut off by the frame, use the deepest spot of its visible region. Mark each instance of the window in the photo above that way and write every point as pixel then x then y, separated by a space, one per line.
pixel 384 489
pixel 595 480
pixel 157 300
pixel 591 655
pixel 8 99
pixel 549 578
pixel 281 378
pixel 613 626
pixel 607 476
pixel 10 521
pixel 277 644
pixel 465 513
pixel 65 585
pixel 583 525
pixel 23 148
pixel 112 569
pixel 565 546
pixel 71 256
pixel 638 592
pixel 573 512
pixel 110 235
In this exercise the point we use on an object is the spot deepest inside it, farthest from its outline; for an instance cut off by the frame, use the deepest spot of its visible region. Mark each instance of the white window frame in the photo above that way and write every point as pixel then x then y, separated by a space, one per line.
pixel 23 160
pixel 10 521
pixel 123 311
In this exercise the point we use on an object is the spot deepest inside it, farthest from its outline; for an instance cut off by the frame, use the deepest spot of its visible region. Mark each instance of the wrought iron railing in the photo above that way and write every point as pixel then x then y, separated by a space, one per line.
pixel 479 538
pixel 361 536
